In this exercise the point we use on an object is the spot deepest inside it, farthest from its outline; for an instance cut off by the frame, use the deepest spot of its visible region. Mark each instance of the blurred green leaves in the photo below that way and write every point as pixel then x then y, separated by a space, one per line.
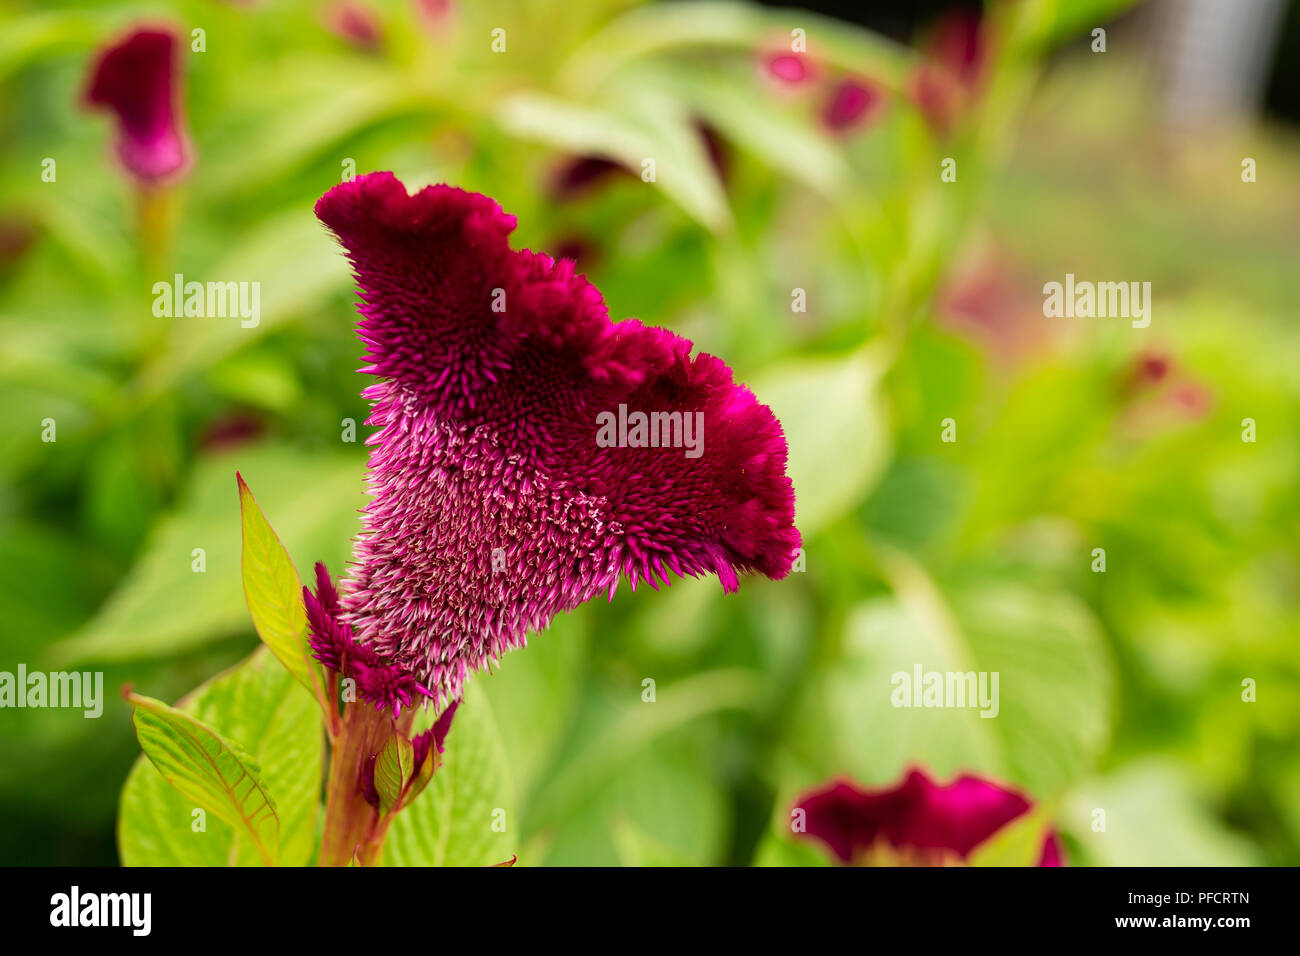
pixel 1052 713
pixel 164 605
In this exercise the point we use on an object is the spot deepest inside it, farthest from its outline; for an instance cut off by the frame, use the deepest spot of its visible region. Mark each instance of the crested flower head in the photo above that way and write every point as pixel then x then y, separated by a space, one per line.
pixel 917 822
pixel 137 79
pixel 530 452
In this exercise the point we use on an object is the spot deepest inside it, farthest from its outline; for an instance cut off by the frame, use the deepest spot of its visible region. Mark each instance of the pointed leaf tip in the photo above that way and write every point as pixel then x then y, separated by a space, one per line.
pixel 273 592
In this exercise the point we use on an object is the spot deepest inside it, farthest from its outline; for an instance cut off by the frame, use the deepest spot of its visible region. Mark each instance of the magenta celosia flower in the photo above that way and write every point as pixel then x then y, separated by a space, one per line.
pixel 918 822
pixel 138 80
pixel 851 104
pixel 497 503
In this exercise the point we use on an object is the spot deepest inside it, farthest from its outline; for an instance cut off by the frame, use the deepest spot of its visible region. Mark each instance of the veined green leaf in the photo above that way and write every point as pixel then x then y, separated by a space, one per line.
pixel 393 768
pixel 264 712
pixel 274 592
pixel 198 762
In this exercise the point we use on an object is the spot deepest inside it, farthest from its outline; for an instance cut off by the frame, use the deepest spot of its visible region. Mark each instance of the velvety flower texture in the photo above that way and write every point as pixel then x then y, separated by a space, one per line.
pixel 137 80
pixel 494 506
pixel 919 821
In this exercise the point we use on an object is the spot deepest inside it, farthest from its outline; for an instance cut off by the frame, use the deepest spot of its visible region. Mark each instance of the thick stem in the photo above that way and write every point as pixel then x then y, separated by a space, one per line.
pixel 352 824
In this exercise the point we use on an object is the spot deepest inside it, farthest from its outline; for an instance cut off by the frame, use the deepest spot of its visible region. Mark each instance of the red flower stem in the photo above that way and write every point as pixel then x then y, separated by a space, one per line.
pixel 352 824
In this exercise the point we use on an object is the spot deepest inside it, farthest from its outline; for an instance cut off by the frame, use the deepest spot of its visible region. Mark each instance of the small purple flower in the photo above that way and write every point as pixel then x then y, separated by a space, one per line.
pixel 918 822
pixel 138 81
pixel 495 506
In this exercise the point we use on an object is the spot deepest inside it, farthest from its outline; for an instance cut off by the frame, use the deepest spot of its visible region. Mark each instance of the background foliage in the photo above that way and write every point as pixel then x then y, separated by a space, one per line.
pixel 1120 690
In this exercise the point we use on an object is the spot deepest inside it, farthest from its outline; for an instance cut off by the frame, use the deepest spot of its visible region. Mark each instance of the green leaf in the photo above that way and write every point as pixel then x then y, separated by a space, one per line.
pixel 1019 843
pixel 638 848
pixel 393 768
pixel 273 591
pixel 777 849
pixel 742 27
pixel 635 125
pixel 1054 686
pixel 786 140
pixel 535 693
pixel 261 710
pixel 837 432
pixel 297 265
pixel 1153 812
pixel 164 606
pixel 215 773
pixel 624 759
pixel 467 816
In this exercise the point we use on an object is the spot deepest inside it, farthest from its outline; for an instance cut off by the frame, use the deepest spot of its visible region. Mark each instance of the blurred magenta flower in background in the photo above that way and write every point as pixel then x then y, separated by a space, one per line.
pixel 137 78
pixel 790 68
pixel 957 58
pixel 356 24
pixel 923 823
pixel 852 104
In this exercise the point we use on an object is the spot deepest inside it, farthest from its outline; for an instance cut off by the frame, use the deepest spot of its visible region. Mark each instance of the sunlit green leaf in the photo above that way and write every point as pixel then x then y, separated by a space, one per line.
pixel 393 768
pixel 208 769
pixel 260 710
pixel 273 591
